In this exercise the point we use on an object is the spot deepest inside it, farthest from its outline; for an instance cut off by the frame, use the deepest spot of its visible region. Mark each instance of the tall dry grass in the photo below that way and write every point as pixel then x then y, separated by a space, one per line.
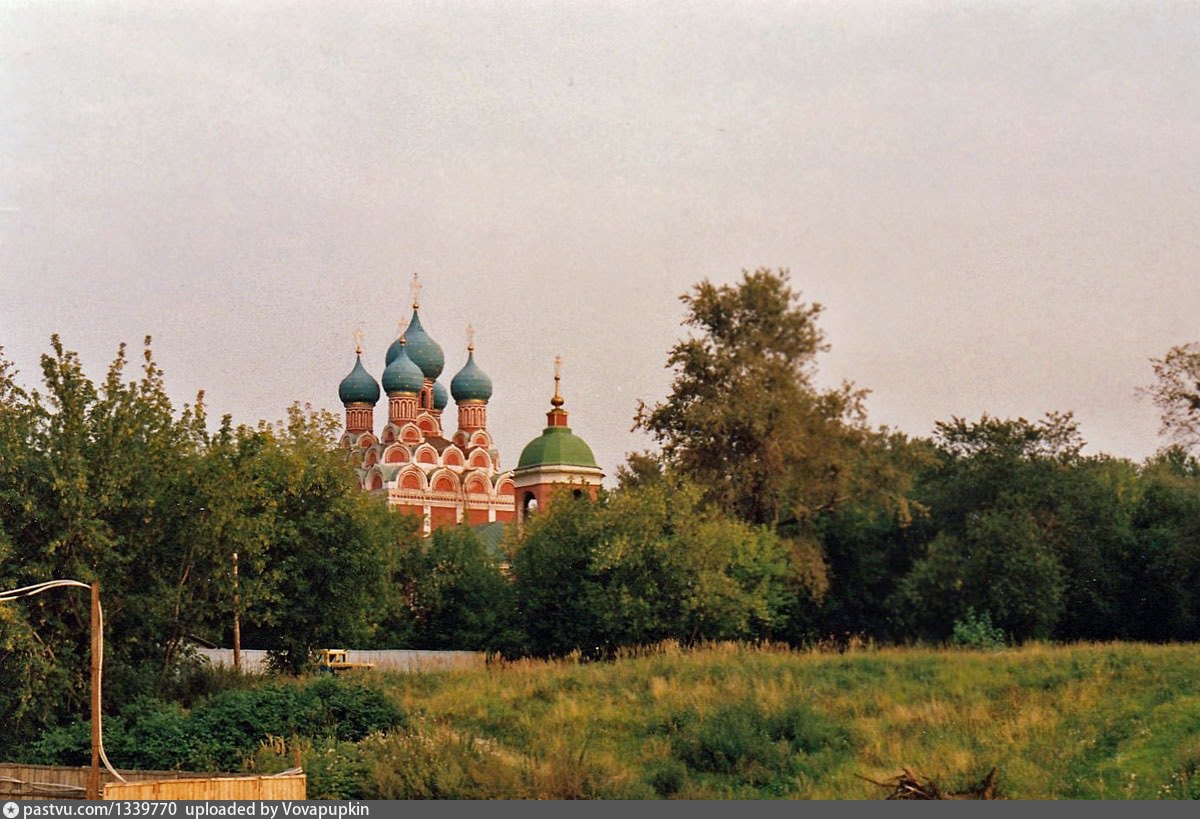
pixel 736 721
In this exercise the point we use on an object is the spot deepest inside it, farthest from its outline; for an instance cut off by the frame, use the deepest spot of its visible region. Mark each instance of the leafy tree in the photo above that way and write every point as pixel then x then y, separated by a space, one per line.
pixel 1162 588
pixel 108 482
pixel 554 583
pixel 999 565
pixel 868 545
pixel 647 563
pixel 744 419
pixel 993 500
pixel 323 577
pixel 1177 393
pixel 462 600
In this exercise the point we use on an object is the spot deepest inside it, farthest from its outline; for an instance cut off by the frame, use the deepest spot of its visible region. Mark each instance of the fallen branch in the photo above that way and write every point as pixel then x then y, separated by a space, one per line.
pixel 908 786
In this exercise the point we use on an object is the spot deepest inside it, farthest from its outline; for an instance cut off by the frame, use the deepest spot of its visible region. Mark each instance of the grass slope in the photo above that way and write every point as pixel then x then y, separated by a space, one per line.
pixel 1088 721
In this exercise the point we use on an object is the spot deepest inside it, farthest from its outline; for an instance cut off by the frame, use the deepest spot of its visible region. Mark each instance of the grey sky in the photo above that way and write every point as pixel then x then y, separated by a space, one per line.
pixel 998 203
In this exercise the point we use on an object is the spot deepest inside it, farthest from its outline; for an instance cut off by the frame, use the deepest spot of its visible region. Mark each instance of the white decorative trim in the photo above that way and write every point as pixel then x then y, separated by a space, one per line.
pixel 524 477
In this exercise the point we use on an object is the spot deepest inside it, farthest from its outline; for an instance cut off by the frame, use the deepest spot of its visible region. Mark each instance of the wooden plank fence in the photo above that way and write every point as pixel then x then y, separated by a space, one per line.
pixel 291 786
pixel 60 782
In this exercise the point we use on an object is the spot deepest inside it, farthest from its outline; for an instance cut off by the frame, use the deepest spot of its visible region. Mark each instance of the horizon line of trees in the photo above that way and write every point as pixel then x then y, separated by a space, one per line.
pixel 795 522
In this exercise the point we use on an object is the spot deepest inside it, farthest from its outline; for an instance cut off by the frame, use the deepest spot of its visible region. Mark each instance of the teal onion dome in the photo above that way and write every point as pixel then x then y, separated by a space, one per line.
pixel 440 396
pixel 359 387
pixel 402 375
pixel 423 350
pixel 557 446
pixel 471 383
pixel 393 350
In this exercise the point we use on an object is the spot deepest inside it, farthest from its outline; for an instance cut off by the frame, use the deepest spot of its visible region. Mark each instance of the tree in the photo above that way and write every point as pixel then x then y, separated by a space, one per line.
pixel 995 543
pixel 647 563
pixel 327 549
pixel 1177 393
pixel 461 599
pixel 744 420
pixel 1162 589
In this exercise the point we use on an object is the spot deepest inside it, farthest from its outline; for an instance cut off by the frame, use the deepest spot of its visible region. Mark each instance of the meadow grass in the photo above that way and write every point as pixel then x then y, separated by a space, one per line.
pixel 727 721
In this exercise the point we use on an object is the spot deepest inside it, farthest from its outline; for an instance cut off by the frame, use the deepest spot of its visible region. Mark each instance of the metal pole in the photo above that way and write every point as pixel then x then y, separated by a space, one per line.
pixel 93 785
pixel 237 627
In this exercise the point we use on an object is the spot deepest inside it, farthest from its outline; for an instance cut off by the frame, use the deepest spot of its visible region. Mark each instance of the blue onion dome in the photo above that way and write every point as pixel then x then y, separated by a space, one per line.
pixel 393 350
pixel 471 383
pixel 423 350
pixel 440 396
pixel 359 387
pixel 402 375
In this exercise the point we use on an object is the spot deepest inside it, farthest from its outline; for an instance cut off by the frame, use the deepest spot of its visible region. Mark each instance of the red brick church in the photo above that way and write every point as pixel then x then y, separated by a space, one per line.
pixel 449 479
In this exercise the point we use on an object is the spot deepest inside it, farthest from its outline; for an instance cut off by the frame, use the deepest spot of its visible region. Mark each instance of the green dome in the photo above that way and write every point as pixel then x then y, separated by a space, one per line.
pixel 440 397
pixel 557 446
pixel 402 375
pixel 359 387
pixel 471 383
pixel 423 350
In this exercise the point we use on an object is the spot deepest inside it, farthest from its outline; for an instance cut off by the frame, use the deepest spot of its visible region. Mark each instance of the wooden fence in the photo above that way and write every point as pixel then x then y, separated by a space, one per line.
pixel 59 782
pixel 291 786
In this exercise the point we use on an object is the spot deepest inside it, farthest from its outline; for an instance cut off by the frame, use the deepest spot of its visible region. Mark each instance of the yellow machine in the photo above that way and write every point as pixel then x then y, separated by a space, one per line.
pixel 334 660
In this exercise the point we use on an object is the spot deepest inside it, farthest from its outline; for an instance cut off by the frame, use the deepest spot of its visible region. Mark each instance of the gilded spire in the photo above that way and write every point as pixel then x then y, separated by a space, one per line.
pixel 557 400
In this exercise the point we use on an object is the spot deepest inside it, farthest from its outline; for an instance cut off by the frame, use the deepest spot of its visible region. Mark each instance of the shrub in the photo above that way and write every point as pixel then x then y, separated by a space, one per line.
pixel 222 731
pixel 756 748
pixel 977 632
pixel 667 777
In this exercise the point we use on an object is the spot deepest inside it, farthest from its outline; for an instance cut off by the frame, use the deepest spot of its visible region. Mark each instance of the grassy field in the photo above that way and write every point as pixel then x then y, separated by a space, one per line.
pixel 1078 722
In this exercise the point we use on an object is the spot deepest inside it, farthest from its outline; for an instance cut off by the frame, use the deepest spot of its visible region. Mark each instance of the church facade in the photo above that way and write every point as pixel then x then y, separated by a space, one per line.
pixel 452 478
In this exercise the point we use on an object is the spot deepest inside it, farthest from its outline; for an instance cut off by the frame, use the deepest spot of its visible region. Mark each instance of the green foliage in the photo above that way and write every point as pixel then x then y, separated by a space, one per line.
pixel 222 731
pixel 460 599
pixel 976 631
pixel 754 747
pixel 107 482
pixel 744 420
pixel 645 564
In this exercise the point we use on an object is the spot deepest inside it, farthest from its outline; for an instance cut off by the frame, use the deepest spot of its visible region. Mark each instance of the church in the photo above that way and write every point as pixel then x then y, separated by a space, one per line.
pixel 451 479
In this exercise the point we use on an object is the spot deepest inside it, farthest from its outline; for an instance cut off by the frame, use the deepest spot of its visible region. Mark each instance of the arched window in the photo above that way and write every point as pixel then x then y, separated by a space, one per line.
pixel 528 505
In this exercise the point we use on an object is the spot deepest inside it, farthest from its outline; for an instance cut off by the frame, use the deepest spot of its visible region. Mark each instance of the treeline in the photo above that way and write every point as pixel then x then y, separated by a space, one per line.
pixel 107 482
pixel 771 509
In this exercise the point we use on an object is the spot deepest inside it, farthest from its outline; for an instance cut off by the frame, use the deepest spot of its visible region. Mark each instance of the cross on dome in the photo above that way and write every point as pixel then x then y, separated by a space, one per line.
pixel 416 290
pixel 470 337
pixel 358 337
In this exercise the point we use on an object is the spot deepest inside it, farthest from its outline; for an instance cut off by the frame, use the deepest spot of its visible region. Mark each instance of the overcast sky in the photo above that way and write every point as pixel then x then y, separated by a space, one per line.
pixel 998 203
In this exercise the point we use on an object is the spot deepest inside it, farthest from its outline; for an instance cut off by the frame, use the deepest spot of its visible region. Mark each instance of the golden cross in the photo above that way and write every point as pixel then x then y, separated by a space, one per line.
pixel 358 337
pixel 416 291
pixel 557 367
pixel 470 337
pixel 401 326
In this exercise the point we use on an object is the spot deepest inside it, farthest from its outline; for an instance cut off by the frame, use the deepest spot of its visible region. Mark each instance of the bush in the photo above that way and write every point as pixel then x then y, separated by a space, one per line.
pixel 219 733
pixel 756 748
pixel 977 632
